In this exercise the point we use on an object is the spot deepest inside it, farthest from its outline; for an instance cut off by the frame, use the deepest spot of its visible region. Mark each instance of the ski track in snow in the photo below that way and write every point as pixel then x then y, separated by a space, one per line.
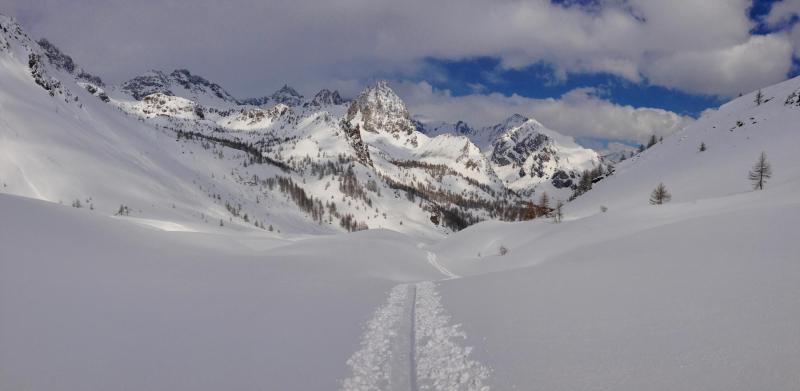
pixel 442 363
pixel 410 345
pixel 371 365
pixel 435 263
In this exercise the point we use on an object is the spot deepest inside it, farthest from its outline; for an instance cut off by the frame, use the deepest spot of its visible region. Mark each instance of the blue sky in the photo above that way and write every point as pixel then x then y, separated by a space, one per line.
pixel 486 75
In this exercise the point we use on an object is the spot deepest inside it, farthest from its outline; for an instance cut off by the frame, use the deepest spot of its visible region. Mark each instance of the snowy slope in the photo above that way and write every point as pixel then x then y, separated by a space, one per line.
pixel 699 293
pixel 107 304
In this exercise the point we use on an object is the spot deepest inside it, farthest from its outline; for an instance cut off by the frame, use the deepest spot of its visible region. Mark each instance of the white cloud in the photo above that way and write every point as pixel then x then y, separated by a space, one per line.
pixel 758 62
pixel 579 113
pixel 249 45
pixel 782 12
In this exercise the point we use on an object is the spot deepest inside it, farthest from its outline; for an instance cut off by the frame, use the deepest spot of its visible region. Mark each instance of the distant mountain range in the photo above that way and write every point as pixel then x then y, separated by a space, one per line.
pixel 369 154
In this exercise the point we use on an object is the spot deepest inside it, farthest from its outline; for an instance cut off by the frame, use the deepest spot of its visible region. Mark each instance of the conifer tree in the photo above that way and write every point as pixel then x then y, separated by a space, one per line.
pixel 702 147
pixel 660 195
pixel 761 171
pixel 653 140
pixel 759 98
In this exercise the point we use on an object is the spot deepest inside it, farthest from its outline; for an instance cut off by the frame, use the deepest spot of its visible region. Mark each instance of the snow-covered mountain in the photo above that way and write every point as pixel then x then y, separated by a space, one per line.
pixel 285 95
pixel 323 165
pixel 526 155
pixel 181 83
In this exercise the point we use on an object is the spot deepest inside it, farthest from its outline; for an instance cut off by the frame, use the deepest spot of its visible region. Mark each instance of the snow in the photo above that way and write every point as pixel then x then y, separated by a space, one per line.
pixel 698 293
pixel 107 303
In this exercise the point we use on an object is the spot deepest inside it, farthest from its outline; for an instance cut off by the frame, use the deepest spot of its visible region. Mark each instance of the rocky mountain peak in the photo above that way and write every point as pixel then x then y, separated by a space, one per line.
pixel 287 95
pixel 64 62
pixel 179 82
pixel 379 109
pixel 326 97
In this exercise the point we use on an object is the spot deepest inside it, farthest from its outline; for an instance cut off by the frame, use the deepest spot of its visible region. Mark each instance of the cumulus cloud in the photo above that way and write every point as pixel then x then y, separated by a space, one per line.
pixel 782 12
pixel 581 113
pixel 760 61
pixel 252 45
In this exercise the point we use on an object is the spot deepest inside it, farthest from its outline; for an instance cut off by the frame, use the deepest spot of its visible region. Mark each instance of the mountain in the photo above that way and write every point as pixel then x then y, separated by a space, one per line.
pixel 285 95
pixel 325 165
pixel 326 97
pixel 526 155
pixel 379 110
pixel 64 62
pixel 181 83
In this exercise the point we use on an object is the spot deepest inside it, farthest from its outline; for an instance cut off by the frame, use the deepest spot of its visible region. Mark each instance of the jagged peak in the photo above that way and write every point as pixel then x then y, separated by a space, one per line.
pixel 379 108
pixel 327 97
pixel 286 90
pixel 158 81
pixel 382 95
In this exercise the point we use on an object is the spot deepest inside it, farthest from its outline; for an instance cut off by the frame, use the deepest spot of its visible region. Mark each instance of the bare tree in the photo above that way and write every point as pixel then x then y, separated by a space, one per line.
pixel 544 202
pixel 761 171
pixel 660 195
pixel 558 213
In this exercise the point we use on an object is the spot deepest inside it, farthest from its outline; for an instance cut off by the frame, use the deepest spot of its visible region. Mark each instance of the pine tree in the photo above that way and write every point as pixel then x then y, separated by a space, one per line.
pixel 653 140
pixel 702 147
pixel 761 171
pixel 759 98
pixel 660 195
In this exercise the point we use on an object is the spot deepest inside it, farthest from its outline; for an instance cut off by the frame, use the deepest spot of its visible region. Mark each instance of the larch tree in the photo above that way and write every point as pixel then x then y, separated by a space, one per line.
pixel 544 202
pixel 761 171
pixel 660 195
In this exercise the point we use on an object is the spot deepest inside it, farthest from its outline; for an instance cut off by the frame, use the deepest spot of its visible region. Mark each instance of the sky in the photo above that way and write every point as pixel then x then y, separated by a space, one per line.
pixel 598 70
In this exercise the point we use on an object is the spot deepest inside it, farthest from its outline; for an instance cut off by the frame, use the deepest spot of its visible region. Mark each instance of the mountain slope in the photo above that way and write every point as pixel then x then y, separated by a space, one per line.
pixel 697 293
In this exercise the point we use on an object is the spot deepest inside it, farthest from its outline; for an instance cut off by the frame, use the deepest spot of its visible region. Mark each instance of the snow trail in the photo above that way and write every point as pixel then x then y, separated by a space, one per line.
pixel 410 345
pixel 432 259
pixel 403 361
pixel 372 364
pixel 442 363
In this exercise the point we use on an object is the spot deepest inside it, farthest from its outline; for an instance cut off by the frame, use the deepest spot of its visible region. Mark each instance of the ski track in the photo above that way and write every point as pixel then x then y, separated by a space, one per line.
pixel 442 363
pixel 410 345
pixel 371 366
pixel 432 259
